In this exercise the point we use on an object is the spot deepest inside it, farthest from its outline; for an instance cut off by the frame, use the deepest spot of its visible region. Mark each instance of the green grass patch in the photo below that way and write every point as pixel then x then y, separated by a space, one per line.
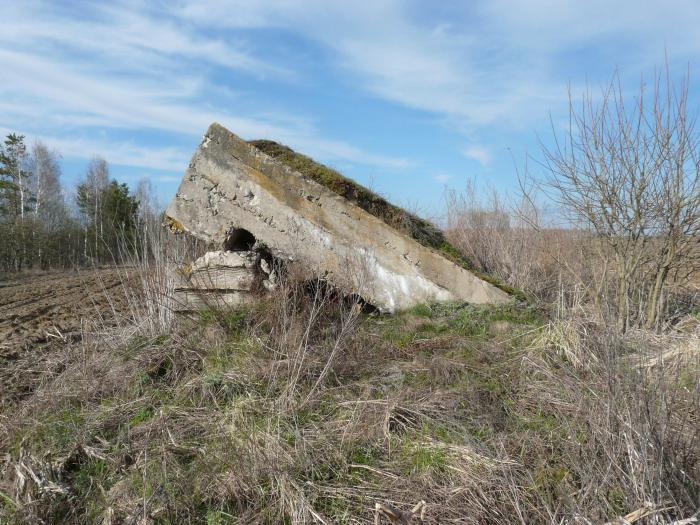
pixel 232 320
pixel 422 310
pixel 219 517
pixel 616 500
pixel 364 454
pixel 397 335
pixel 140 343
pixel 480 431
pixel 425 459
pixel 58 430
pixel 142 415
pixel 7 505
pixel 550 481
pixel 476 321
pixel 440 432
pixel 232 355
pixel 140 382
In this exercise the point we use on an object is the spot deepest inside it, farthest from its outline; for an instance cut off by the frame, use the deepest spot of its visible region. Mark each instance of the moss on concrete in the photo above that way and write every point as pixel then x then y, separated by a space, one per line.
pixel 420 230
pixel 174 225
pixel 406 222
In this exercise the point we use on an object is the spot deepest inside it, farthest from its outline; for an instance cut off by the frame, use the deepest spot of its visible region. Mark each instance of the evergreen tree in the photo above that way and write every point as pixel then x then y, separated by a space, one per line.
pixel 110 216
pixel 14 176
pixel 120 211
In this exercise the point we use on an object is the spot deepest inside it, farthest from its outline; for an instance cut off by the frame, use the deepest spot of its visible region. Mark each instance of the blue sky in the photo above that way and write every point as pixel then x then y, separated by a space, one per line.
pixel 406 97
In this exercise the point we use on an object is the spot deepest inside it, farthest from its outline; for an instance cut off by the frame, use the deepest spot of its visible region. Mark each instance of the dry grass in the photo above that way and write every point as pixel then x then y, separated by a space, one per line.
pixel 304 410
pixel 566 268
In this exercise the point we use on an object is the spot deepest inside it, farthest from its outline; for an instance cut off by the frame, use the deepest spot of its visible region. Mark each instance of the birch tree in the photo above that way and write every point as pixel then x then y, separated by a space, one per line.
pixel 145 196
pixel 49 214
pixel 90 194
pixel 46 186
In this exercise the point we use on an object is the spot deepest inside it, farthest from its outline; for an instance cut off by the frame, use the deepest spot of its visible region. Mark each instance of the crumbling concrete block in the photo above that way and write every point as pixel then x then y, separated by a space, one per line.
pixel 235 271
pixel 237 198
pixel 219 278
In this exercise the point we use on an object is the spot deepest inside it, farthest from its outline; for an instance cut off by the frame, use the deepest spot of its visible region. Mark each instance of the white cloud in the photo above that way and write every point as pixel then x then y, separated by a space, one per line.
pixel 126 31
pixel 477 153
pixel 118 153
pixel 442 178
pixel 400 57
pixel 174 159
pixel 124 68
pixel 66 90
pixel 475 63
pixel 134 65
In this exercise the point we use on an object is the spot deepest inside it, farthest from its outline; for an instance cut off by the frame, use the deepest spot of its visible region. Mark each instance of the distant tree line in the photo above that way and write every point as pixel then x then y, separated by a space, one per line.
pixel 42 225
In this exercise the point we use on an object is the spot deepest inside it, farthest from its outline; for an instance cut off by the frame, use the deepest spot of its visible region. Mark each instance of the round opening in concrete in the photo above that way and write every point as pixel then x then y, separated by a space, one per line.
pixel 239 240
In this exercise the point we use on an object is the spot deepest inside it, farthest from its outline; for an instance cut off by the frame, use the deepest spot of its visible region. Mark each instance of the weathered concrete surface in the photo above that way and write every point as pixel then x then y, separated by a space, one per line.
pixel 192 300
pixel 239 271
pixel 219 278
pixel 231 185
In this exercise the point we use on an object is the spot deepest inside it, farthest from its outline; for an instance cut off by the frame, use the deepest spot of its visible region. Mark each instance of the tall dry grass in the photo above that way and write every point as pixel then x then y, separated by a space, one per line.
pixel 566 267
pixel 147 264
pixel 303 409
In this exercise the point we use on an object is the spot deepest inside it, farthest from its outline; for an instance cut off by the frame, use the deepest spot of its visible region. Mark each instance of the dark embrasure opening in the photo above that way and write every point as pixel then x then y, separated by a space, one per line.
pixel 239 240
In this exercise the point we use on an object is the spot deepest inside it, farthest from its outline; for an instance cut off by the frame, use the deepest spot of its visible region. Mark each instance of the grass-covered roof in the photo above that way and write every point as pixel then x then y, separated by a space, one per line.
pixel 404 221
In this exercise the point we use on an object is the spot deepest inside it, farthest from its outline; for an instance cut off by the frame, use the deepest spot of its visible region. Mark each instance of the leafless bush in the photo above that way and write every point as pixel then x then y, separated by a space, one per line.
pixel 624 179
pixel 630 173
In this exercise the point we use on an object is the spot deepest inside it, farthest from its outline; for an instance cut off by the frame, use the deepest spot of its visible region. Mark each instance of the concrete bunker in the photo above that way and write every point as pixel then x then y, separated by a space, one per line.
pixel 261 202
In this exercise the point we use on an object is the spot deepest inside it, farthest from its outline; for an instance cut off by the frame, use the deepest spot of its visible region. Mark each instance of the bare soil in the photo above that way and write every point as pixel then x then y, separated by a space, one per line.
pixel 38 308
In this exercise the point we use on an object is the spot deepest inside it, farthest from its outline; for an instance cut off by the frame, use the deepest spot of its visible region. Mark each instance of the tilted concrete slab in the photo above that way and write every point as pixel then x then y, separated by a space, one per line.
pixel 231 185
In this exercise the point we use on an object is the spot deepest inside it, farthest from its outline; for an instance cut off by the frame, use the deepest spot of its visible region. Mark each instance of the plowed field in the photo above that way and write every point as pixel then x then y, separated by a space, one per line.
pixel 37 308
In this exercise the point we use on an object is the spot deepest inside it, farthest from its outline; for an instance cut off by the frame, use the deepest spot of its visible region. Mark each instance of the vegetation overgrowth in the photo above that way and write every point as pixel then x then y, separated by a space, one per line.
pixel 303 409
pixel 419 229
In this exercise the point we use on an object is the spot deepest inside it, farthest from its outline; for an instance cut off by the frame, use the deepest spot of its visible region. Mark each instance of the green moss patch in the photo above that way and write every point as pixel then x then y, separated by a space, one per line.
pixel 418 229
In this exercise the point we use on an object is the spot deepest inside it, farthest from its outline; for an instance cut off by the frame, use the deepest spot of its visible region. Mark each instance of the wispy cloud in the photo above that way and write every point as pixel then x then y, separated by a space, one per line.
pixel 115 152
pixel 477 153
pixel 473 63
pixel 121 67
pixel 442 178
pixel 399 55
pixel 126 31
pixel 156 73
